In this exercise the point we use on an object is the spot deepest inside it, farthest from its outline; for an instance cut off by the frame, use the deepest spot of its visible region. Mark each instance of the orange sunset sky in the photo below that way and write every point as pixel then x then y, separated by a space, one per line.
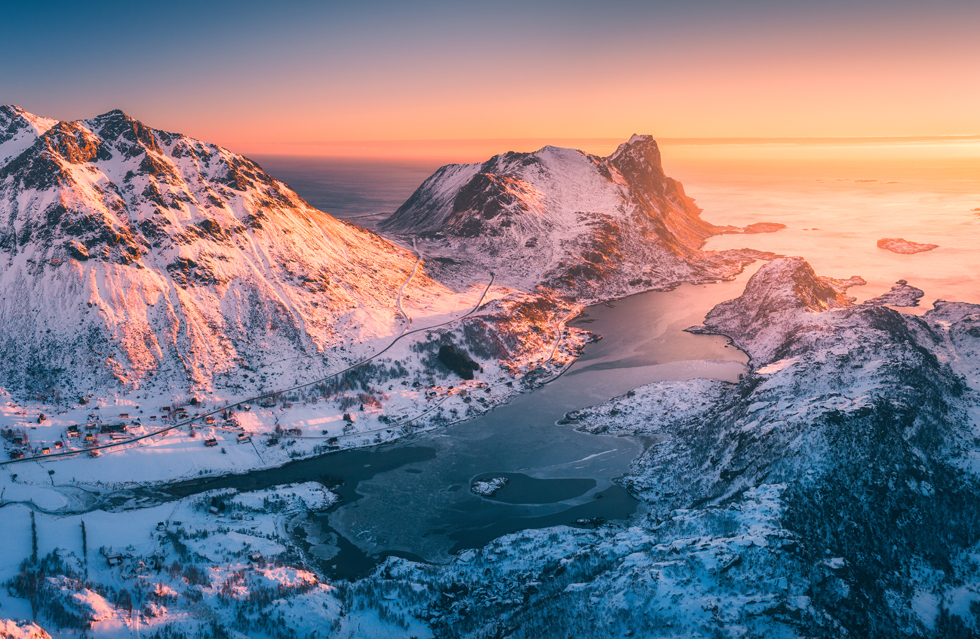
pixel 329 78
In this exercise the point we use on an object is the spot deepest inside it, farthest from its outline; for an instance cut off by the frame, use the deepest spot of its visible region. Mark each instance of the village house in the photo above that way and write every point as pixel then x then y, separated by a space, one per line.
pixel 113 428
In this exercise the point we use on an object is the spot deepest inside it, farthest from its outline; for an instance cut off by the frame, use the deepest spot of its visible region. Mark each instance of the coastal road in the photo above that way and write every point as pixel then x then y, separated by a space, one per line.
pixel 117 444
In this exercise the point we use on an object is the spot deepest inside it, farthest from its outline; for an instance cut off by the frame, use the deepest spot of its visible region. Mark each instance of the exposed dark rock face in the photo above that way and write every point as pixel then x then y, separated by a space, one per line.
pixel 484 198
pixel 458 361
pixel 77 250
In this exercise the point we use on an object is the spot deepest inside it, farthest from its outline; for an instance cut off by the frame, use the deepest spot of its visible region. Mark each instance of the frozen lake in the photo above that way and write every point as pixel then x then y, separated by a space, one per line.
pixel 427 509
pixel 412 498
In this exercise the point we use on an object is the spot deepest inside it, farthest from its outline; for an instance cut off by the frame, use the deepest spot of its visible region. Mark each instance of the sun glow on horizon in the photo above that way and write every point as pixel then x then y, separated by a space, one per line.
pixel 260 80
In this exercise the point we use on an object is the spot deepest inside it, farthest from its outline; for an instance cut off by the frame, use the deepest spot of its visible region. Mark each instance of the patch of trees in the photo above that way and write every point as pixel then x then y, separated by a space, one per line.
pixel 458 361
pixel 47 583
pixel 439 353
pixel 486 342
pixel 359 382
pixel 887 509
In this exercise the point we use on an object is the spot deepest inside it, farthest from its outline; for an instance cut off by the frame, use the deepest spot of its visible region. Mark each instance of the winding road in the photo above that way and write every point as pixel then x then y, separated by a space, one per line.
pixel 187 422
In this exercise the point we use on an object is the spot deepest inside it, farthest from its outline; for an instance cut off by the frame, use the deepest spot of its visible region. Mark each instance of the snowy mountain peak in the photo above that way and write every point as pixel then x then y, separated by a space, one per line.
pixel 565 219
pixel 138 251
pixel 638 143
pixel 780 298
pixel 638 160
pixel 118 127
pixel 791 283
pixel 639 147
pixel 113 115
pixel 11 114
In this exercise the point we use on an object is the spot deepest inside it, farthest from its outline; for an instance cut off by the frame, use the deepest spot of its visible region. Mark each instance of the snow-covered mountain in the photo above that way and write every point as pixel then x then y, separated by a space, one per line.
pixel 130 255
pixel 591 226
pixel 832 492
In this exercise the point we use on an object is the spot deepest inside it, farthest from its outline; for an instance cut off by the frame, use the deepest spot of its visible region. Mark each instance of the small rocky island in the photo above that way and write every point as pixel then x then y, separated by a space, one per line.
pixel 902 294
pixel 488 487
pixel 763 227
pixel 899 245
pixel 758 227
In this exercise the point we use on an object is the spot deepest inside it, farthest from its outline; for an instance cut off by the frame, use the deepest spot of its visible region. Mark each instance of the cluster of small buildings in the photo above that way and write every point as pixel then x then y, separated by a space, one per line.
pixel 131 565
pixel 88 436
pixel 82 438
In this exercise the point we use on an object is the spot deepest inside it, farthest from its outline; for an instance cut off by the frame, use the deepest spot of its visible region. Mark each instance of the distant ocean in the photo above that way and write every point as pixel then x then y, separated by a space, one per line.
pixel 837 198
pixel 350 188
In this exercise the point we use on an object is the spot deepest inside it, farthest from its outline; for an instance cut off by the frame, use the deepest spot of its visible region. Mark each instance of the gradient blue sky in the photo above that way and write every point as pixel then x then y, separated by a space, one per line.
pixel 291 76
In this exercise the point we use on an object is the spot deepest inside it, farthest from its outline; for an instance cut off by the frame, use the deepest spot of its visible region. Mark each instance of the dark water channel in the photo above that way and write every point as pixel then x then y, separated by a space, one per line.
pixel 412 498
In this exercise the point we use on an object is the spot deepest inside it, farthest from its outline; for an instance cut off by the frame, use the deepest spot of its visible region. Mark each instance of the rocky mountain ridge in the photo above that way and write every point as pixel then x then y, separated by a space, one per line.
pixel 129 254
pixel 567 220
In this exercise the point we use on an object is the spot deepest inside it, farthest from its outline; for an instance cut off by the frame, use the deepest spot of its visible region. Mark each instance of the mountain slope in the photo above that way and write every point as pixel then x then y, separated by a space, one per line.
pixel 594 227
pixel 128 254
pixel 832 492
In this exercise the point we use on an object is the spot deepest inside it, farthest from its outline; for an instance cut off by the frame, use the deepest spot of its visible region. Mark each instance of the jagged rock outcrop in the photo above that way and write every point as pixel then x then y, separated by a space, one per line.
pixel 564 219
pixel 902 294
pixel 781 298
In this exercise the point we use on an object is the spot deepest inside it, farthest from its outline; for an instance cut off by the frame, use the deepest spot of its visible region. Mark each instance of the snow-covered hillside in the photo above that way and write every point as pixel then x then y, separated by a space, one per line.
pixel 131 256
pixel 594 227
pixel 143 271
pixel 833 492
